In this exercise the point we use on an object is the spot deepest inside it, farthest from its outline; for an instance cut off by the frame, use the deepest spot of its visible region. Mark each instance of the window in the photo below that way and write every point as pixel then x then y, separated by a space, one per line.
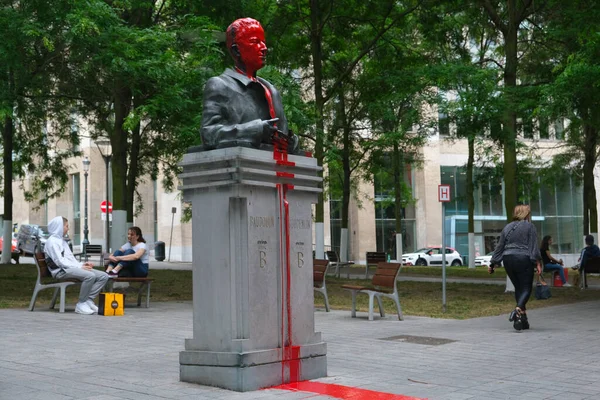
pixel 559 129
pixel 496 129
pixel 443 124
pixel 335 223
pixel 76 231
pixel 75 141
pixel 528 129
pixel 544 131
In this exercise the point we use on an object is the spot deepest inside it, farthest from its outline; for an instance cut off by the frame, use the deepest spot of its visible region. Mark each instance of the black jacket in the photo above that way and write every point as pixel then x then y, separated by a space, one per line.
pixel 234 108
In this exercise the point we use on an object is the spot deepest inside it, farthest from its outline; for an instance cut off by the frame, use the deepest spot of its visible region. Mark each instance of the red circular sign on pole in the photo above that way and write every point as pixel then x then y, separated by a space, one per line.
pixel 103 206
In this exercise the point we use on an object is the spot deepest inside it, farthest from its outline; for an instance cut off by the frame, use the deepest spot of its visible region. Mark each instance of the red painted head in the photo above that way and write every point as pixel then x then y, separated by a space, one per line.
pixel 246 44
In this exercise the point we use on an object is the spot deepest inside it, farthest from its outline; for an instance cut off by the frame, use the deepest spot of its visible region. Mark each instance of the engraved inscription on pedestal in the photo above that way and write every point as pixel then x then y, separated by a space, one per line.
pixel 262 228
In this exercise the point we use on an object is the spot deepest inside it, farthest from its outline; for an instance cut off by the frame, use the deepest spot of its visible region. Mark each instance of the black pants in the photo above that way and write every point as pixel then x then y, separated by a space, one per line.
pixel 520 272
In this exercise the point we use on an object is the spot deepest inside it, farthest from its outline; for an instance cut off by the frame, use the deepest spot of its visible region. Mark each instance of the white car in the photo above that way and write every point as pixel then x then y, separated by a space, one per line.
pixel 483 260
pixel 432 256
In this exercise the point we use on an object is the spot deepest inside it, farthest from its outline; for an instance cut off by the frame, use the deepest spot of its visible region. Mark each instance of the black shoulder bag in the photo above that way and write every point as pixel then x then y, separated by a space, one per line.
pixel 51 264
pixel 542 290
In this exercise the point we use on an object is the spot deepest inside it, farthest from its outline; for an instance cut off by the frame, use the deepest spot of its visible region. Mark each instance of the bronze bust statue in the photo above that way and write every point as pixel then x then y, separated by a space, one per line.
pixel 241 109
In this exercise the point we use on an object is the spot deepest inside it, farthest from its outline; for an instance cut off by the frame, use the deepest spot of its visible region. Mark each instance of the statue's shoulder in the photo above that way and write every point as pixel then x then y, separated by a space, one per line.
pixel 268 84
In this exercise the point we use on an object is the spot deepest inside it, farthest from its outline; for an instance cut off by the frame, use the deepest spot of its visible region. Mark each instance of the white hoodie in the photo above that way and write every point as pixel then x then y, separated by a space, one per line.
pixel 57 248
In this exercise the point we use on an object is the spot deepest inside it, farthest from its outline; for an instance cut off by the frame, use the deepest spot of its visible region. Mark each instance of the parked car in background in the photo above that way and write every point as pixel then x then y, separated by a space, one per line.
pixel 13 248
pixel 484 260
pixel 432 256
pixel 31 236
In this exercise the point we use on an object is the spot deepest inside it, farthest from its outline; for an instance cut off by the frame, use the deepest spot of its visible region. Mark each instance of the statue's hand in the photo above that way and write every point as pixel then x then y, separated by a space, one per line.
pixel 270 127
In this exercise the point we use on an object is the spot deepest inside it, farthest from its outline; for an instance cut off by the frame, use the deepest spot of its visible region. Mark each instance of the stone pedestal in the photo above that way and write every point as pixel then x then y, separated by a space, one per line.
pixel 252 270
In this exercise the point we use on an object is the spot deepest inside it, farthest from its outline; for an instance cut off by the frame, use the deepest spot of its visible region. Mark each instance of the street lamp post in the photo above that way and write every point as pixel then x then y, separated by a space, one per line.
pixel 105 148
pixel 86 169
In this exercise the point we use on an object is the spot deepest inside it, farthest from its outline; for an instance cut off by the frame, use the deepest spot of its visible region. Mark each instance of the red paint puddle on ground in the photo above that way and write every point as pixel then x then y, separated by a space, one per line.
pixel 341 392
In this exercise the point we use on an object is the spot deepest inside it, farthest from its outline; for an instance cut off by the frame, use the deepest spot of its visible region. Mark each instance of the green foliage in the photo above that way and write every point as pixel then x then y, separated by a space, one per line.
pixel 32 53
pixel 149 63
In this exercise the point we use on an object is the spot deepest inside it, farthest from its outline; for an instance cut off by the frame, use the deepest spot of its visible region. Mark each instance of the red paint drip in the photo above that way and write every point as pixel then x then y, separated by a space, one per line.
pixel 342 392
pixel 288 269
pixel 285 174
pixel 280 201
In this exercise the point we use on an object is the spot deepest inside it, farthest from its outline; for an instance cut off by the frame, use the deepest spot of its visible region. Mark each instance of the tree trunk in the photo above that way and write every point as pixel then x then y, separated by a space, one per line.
pixel 471 201
pixel 316 50
pixel 398 167
pixel 470 186
pixel 133 166
pixel 510 116
pixel 7 143
pixel 122 103
pixel 346 143
pixel 590 212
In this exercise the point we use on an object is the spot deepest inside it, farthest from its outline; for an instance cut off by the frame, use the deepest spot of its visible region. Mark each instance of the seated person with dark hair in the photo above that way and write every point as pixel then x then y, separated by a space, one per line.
pixel 132 258
pixel 590 250
pixel 550 263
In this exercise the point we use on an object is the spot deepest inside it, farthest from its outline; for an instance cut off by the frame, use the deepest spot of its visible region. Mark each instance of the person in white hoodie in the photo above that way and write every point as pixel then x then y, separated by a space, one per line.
pixel 67 267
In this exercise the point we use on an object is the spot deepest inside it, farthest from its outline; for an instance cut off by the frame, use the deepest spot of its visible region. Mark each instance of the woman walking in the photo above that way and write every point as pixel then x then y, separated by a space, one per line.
pixel 518 250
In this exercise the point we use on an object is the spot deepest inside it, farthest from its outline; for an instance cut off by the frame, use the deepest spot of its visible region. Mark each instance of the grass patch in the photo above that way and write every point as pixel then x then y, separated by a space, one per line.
pixel 464 300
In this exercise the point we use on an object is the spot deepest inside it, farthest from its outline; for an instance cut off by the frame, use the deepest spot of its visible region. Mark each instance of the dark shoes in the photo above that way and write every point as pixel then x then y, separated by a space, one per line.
pixel 525 321
pixel 519 320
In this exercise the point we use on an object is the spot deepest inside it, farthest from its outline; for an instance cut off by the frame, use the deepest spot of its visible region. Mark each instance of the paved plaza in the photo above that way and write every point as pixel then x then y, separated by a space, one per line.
pixel 50 356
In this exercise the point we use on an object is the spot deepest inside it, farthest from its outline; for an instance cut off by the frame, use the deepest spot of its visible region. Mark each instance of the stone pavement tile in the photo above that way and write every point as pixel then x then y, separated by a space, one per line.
pixel 13 391
pixel 43 395
pixel 454 396
pixel 568 396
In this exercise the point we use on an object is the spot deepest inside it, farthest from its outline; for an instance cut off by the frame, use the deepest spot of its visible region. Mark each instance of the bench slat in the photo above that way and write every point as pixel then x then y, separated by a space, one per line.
pixel 384 281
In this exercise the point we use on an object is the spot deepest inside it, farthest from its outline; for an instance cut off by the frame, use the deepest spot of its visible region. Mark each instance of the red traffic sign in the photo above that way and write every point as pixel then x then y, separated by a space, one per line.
pixel 103 206
pixel 443 193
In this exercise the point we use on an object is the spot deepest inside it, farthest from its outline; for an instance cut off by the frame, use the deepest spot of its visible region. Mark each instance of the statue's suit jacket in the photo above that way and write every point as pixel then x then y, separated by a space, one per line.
pixel 234 110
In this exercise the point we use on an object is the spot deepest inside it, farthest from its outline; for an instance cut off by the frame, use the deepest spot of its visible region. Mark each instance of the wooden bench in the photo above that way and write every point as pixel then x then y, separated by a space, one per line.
pixel 144 283
pixel 374 258
pixel 334 261
pixel 91 250
pixel 383 284
pixel 592 266
pixel 319 274
pixel 45 281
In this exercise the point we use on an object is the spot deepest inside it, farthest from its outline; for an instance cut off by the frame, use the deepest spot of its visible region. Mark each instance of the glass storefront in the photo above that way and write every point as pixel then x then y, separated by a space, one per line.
pixel 557 211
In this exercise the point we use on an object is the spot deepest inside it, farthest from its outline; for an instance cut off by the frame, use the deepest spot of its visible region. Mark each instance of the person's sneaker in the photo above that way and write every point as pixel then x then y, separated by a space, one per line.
pixel 91 305
pixel 113 274
pixel 575 267
pixel 567 284
pixel 83 308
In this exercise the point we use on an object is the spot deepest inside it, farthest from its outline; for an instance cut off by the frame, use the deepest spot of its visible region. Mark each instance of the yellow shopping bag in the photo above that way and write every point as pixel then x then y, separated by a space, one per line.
pixel 111 304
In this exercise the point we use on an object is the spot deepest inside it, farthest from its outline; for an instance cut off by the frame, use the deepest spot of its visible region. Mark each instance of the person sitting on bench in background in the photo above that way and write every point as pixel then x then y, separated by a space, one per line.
pixel 57 250
pixel 590 250
pixel 132 258
pixel 550 263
